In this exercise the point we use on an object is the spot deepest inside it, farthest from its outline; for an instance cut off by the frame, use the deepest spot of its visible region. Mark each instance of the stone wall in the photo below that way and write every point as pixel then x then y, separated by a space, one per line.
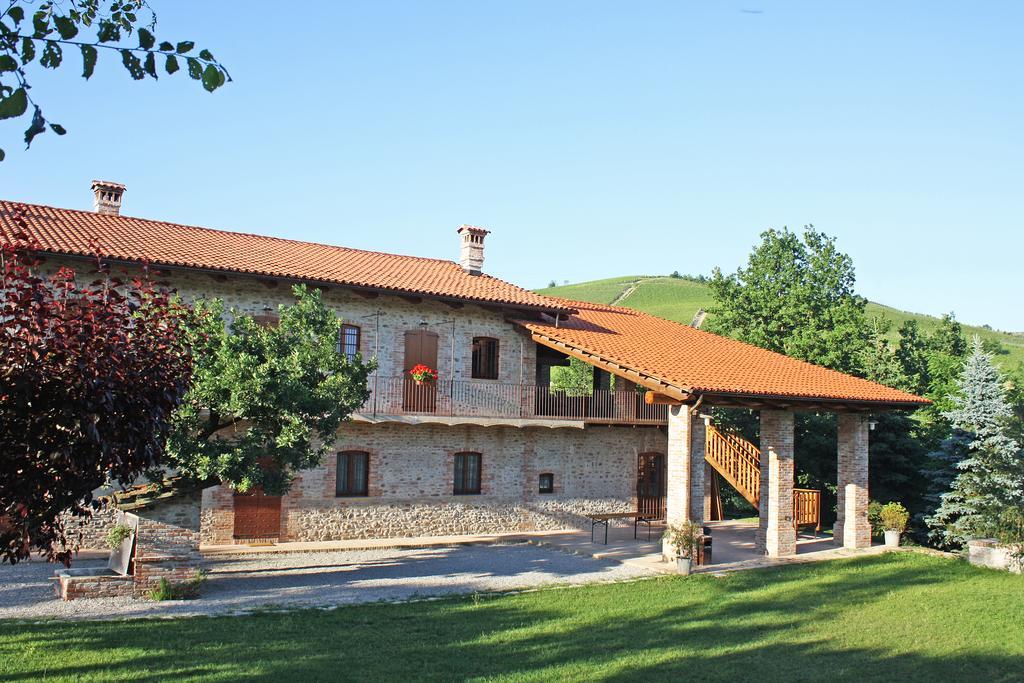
pixel 91 533
pixel 166 546
pixel 410 482
pixel 166 550
pixel 986 552
pixel 383 321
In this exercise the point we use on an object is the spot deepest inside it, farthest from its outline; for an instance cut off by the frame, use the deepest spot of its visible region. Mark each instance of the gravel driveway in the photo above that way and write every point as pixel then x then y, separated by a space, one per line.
pixel 241 583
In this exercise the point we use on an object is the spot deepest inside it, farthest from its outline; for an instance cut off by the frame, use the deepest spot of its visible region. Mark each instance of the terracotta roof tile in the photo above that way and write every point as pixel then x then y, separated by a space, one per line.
pixel 696 361
pixel 169 244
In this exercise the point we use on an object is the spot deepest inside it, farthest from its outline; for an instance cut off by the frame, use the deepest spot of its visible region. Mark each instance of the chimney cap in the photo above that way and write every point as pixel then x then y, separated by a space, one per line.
pixel 473 229
pixel 108 184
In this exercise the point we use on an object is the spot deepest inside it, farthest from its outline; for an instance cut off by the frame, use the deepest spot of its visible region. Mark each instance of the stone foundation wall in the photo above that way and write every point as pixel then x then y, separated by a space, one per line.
pixel 411 480
pixel 425 519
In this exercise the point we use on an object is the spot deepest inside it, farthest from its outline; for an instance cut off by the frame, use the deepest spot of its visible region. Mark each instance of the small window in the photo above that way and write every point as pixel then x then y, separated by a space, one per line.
pixel 348 341
pixel 485 358
pixel 547 483
pixel 353 471
pixel 266 319
pixel 467 474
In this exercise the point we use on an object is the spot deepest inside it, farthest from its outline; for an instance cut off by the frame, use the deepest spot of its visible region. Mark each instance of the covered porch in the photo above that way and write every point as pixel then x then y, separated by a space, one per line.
pixel 765 475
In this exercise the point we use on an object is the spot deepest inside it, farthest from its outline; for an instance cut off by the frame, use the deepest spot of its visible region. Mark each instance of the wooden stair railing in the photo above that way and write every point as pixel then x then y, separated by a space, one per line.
pixel 735 462
pixel 739 462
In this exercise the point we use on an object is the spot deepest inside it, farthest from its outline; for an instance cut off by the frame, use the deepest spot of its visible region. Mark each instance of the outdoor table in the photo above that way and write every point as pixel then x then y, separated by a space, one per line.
pixel 602 519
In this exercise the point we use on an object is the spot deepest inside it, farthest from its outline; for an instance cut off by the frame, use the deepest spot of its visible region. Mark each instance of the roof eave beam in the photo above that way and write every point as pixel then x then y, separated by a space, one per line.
pixel 652 383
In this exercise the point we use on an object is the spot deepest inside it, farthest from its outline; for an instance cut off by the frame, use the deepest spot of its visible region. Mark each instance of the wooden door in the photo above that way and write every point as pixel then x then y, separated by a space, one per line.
pixel 650 485
pixel 420 347
pixel 257 515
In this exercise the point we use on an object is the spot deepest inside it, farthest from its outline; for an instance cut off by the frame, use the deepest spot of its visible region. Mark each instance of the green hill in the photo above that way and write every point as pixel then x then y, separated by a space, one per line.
pixel 679 299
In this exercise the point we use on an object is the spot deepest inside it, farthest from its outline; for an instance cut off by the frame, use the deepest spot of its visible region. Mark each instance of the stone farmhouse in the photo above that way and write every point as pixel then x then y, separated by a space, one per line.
pixel 490 446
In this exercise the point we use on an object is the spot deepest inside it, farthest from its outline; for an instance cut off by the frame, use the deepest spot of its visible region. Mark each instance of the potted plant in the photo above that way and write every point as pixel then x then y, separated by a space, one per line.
pixel 423 374
pixel 684 538
pixel 894 518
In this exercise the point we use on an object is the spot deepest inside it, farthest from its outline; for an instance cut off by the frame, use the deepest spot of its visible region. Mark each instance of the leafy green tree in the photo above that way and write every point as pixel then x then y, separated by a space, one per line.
pixel 912 356
pixel 35 34
pixel 575 379
pixel 983 465
pixel 949 337
pixel 897 454
pixel 266 401
pixel 795 296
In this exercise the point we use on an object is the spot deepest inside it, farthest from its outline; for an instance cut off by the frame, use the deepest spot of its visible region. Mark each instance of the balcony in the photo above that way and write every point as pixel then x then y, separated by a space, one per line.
pixel 401 396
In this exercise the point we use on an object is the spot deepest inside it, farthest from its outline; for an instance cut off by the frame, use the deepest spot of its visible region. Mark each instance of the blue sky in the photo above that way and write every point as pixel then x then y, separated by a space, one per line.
pixel 594 139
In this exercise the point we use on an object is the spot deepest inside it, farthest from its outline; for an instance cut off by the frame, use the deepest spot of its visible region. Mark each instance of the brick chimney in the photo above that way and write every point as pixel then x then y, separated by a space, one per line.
pixel 471 253
pixel 106 197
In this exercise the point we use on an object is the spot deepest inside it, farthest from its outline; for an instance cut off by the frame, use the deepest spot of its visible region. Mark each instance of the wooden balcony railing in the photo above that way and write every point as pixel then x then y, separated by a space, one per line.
pixel 488 399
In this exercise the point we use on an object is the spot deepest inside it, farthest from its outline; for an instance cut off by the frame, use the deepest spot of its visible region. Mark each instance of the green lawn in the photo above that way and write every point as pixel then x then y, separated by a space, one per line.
pixel 900 616
pixel 678 300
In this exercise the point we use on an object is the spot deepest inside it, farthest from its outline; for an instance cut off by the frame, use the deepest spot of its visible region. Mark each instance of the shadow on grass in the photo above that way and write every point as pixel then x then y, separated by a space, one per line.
pixel 790 623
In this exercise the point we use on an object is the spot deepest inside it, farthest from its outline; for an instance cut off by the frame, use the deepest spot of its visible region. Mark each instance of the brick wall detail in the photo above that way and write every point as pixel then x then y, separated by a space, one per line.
pixel 852 528
pixel 684 475
pixel 776 533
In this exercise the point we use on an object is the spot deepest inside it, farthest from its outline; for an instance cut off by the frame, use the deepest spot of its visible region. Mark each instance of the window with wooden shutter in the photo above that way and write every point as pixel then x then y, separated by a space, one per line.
pixel 467 474
pixel 485 358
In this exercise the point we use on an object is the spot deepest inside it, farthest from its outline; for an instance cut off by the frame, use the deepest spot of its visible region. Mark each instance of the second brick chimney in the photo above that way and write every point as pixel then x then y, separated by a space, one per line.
pixel 471 252
pixel 106 197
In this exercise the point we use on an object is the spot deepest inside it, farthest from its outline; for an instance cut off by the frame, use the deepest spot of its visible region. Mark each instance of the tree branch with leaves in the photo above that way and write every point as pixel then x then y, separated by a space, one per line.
pixel 36 34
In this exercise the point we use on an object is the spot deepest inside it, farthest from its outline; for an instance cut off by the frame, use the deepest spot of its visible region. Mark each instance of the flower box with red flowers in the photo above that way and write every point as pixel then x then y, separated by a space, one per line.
pixel 423 373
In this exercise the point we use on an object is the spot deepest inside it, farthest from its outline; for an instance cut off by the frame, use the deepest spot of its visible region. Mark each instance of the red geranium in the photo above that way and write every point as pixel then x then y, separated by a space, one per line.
pixel 423 373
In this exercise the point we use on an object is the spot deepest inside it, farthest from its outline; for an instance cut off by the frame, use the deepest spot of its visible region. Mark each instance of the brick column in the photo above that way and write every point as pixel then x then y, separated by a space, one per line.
pixel 852 529
pixel 684 497
pixel 776 532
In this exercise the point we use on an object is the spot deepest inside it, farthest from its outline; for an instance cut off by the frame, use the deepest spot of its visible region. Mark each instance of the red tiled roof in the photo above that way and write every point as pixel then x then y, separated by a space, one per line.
pixel 691 360
pixel 698 362
pixel 68 231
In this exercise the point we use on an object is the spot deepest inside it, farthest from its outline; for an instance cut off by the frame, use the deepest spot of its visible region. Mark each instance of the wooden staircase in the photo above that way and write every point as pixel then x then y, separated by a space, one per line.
pixel 739 462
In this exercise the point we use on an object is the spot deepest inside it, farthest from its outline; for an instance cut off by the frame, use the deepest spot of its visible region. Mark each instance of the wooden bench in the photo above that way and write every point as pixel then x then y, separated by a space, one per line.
pixel 602 519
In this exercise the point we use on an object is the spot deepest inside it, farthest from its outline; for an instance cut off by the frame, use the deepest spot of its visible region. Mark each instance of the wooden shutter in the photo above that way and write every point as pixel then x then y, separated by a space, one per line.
pixel 420 347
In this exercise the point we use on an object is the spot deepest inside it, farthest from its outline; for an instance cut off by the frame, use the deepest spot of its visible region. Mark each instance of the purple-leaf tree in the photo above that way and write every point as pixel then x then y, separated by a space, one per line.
pixel 89 377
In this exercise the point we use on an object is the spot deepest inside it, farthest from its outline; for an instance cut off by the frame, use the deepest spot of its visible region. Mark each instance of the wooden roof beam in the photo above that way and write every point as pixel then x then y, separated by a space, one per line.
pixel 627 373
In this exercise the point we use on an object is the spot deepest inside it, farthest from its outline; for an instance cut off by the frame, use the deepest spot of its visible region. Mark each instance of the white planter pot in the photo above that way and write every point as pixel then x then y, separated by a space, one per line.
pixel 683 565
pixel 892 538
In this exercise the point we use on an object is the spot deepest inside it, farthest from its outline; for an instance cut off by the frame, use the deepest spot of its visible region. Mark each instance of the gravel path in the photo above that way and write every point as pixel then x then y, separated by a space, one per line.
pixel 326 579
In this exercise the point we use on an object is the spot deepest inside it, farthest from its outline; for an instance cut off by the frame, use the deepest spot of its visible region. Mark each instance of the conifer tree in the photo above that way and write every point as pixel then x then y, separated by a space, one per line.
pixel 982 466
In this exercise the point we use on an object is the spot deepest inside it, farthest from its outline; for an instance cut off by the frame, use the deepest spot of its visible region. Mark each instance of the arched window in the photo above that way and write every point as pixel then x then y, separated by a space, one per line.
pixel 467 474
pixel 353 474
